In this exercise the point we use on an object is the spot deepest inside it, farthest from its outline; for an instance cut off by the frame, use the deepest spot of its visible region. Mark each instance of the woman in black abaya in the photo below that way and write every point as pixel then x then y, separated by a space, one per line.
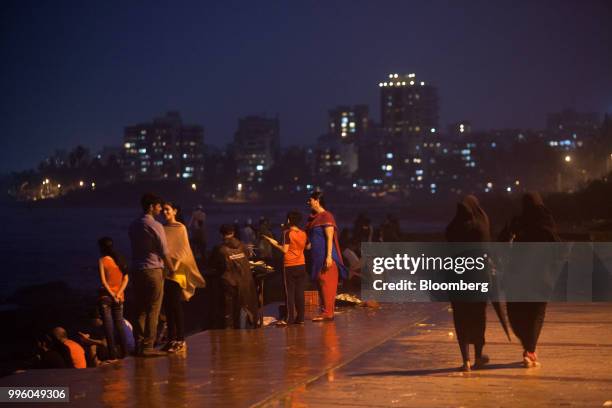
pixel 470 224
pixel 535 224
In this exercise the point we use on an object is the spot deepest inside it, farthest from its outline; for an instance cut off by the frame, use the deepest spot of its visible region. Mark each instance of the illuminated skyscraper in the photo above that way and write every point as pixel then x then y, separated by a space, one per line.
pixel 348 123
pixel 408 106
pixel 163 149
pixel 256 147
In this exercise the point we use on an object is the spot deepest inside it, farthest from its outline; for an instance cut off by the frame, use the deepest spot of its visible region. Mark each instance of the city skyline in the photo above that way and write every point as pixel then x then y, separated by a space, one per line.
pixel 86 92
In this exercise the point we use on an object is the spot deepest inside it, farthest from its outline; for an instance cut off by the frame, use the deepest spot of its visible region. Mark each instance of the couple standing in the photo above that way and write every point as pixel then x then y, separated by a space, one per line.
pixel 155 247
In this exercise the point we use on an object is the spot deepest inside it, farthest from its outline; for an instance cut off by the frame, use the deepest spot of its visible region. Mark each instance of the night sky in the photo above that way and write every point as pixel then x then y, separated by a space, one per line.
pixel 78 72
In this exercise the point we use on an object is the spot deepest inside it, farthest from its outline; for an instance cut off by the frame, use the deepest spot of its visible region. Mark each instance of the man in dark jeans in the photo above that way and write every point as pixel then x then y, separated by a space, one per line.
pixel 149 256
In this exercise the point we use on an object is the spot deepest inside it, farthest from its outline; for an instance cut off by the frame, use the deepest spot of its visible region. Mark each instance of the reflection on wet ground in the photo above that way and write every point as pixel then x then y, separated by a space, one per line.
pixel 236 367
pixel 419 368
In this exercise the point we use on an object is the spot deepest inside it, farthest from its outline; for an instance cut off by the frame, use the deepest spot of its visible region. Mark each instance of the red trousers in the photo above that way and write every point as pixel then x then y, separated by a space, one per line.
pixel 328 284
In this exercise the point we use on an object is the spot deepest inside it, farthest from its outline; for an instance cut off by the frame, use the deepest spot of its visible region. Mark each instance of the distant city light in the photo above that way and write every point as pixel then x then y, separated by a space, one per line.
pixel 59 186
pixel 193 186
pixel 239 187
pixel 568 158
pixel 259 167
pixel 516 183
pixel 411 82
pixel 389 155
pixel 81 183
pixel 411 75
pixel 509 189
pixel 390 75
pixel 395 76
pixel 422 83
pixel 380 84
pixel 93 184
pixel 432 130
pixel 489 185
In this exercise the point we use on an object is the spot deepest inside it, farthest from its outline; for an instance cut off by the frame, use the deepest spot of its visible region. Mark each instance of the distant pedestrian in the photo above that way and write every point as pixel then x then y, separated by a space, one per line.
pixel 327 264
pixel 197 232
pixel 149 256
pixel 470 224
pixel 362 229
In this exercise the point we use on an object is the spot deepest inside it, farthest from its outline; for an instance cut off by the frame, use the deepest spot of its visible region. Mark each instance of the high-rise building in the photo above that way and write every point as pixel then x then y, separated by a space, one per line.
pixel 256 147
pixel 348 123
pixel 572 124
pixel 335 158
pixel 408 106
pixel 163 149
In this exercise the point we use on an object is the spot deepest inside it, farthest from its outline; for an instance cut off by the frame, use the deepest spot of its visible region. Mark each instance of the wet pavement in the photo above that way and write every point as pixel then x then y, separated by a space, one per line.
pixel 234 367
pixel 396 356
pixel 419 368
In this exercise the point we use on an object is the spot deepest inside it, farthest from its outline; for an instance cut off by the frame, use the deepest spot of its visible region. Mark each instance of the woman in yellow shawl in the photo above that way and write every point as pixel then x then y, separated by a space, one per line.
pixel 179 286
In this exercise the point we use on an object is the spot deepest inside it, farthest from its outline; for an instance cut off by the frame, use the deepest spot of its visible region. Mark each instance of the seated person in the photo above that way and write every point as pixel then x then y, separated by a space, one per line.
pixel 77 353
pixel 50 354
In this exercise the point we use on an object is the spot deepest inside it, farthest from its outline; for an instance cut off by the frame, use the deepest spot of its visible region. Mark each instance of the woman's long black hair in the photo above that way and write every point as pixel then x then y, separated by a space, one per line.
pixel 107 249
pixel 318 195
pixel 179 211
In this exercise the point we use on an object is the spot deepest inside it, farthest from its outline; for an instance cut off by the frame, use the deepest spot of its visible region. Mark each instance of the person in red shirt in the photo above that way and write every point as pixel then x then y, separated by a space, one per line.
pixel 294 271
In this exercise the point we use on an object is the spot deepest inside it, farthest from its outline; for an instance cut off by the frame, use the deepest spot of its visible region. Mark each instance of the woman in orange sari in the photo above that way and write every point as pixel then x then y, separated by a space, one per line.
pixel 327 263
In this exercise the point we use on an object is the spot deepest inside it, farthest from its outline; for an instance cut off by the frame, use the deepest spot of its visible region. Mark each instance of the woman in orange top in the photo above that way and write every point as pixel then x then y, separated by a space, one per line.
pixel 114 278
pixel 294 271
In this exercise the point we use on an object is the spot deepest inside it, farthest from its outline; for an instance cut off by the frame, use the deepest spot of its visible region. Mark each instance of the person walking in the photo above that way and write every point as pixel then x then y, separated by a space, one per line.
pixel 470 224
pixel 535 224
pixel 327 265
pixel 149 256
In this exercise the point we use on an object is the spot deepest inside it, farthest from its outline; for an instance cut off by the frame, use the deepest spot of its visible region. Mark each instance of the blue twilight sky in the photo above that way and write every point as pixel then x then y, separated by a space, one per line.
pixel 77 72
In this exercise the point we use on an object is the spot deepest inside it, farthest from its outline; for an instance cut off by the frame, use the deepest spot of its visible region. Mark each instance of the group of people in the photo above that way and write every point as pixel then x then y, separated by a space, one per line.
pixel 164 273
pixel 471 224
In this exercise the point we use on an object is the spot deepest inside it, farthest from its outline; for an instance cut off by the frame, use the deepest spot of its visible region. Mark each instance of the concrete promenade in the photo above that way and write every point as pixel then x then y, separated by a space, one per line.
pixel 396 356
pixel 418 368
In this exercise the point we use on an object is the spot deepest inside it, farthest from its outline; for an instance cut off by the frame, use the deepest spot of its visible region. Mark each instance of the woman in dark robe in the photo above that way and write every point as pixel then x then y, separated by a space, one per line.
pixel 470 224
pixel 535 224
